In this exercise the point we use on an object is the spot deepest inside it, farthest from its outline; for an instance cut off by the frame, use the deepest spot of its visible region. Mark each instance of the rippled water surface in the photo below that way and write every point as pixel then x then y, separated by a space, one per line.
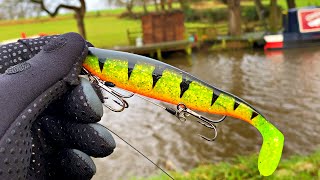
pixel 285 87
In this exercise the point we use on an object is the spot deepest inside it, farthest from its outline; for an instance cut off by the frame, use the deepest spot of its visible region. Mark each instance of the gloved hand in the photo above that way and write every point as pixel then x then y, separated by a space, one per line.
pixel 48 114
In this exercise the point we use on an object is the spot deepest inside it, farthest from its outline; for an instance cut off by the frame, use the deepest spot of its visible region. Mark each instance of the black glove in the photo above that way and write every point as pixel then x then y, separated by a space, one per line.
pixel 48 125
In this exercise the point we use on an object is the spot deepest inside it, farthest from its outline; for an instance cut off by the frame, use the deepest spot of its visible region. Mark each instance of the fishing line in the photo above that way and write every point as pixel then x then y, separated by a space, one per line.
pixel 141 154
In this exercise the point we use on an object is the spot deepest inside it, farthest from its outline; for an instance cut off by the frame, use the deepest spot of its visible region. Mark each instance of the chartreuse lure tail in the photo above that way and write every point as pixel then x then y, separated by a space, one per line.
pixel 161 81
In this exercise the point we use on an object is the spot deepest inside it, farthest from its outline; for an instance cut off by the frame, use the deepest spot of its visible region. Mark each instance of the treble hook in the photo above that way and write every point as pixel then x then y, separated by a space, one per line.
pixel 183 112
pixel 103 85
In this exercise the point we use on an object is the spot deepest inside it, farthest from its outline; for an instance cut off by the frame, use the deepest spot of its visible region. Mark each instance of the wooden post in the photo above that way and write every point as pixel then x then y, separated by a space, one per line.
pixel 188 50
pixel 159 55
pixel 224 43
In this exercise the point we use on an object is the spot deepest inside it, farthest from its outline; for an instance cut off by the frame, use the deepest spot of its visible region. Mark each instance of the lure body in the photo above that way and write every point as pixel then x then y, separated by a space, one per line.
pixel 166 83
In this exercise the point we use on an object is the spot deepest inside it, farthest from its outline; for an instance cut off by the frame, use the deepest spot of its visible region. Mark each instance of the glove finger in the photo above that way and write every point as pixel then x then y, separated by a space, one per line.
pixel 41 154
pixel 83 104
pixel 50 162
pixel 93 139
pixel 21 87
pixel 71 164
pixel 21 51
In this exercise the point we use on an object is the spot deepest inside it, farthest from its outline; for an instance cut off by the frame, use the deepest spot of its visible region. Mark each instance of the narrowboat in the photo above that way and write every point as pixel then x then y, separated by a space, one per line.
pixel 301 28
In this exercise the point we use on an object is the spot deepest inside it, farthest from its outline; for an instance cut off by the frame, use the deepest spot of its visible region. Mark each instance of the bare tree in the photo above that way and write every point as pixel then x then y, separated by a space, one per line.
pixel 260 9
pixel 129 4
pixel 184 4
pixel 291 4
pixel 275 16
pixel 234 17
pixel 170 4
pixel 156 5
pixel 163 5
pixel 15 9
pixel 79 12
pixel 144 3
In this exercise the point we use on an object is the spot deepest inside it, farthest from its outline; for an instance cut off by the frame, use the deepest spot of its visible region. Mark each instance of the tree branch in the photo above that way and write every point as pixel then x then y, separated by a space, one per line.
pixel 53 14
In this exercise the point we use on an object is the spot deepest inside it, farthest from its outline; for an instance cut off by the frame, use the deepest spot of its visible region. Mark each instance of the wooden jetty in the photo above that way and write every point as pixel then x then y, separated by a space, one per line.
pixel 252 39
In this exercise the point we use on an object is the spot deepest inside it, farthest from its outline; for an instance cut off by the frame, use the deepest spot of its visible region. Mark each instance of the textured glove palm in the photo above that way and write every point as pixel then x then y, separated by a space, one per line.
pixel 48 125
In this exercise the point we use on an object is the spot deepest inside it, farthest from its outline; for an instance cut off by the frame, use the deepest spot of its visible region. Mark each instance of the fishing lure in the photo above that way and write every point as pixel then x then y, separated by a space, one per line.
pixel 157 80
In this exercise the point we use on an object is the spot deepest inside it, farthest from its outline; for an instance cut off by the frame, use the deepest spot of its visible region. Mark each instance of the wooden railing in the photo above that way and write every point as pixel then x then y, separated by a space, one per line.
pixel 210 32
pixel 133 34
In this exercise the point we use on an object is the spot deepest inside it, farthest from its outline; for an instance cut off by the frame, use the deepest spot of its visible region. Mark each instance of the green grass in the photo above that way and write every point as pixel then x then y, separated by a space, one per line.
pixel 101 31
pixel 299 3
pixel 296 167
pixel 109 31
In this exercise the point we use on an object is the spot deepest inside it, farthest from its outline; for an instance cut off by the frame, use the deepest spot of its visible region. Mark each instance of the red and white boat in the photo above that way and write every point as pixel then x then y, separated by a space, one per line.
pixel 301 29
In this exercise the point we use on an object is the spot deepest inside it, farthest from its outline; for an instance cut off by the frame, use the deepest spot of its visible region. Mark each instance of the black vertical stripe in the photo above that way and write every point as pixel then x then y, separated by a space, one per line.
pixel 101 64
pixel 253 115
pixel 156 75
pixel 214 97
pixel 130 68
pixel 236 104
pixel 129 72
pixel 184 86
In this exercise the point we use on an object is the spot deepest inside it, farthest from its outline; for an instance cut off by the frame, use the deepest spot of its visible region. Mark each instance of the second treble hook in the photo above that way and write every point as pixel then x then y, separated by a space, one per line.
pixel 183 112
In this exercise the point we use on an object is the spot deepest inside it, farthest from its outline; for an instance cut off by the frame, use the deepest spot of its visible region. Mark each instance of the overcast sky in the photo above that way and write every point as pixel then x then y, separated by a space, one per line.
pixel 97 5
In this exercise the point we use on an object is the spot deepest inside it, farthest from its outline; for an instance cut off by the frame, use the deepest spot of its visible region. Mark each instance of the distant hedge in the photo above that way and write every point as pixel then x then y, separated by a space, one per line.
pixel 248 13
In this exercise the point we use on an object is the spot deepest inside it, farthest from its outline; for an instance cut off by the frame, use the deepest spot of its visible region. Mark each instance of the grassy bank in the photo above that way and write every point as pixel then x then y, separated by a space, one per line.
pixel 102 31
pixel 296 167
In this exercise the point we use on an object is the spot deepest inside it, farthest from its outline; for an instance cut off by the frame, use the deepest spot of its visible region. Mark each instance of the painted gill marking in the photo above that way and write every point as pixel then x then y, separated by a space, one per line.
pixel 130 68
pixel 156 75
pixel 253 115
pixel 101 64
pixel 236 104
pixel 214 97
pixel 184 86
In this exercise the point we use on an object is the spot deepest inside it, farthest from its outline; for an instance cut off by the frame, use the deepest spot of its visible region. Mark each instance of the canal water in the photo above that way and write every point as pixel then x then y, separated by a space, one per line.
pixel 285 87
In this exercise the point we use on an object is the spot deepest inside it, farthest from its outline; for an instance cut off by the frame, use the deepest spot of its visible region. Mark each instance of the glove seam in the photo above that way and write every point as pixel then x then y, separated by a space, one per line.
pixel 76 68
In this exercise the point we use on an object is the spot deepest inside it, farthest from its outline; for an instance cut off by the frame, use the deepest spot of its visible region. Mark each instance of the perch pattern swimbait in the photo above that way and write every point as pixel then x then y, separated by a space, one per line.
pixel 164 82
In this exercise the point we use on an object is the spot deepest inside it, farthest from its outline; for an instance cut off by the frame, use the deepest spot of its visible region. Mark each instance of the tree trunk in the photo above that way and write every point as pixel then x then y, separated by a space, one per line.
pixel 260 9
pixel 291 4
pixel 169 4
pixel 156 5
pixel 261 12
pixel 130 7
pixel 80 18
pixel 184 5
pixel 163 5
pixel 274 19
pixel 145 9
pixel 234 17
pixel 79 13
pixel 80 24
